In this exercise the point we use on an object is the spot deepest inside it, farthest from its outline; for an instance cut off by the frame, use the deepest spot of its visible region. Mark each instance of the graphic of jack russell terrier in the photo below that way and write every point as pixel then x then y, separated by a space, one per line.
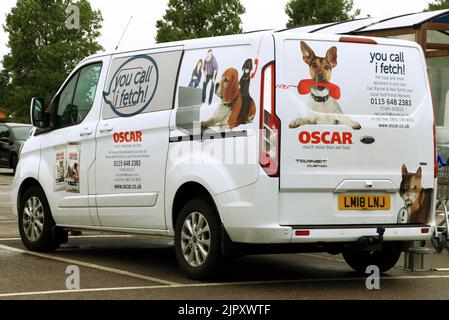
pixel 322 107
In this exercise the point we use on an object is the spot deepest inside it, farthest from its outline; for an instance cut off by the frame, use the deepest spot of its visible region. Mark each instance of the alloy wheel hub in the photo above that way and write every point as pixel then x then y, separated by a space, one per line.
pixel 195 239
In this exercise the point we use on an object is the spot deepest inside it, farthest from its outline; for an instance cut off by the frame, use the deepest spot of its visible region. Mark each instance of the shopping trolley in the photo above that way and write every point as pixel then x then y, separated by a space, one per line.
pixel 440 238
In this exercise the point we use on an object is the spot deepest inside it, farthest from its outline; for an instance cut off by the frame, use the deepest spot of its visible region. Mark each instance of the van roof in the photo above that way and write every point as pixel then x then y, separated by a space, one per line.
pixel 191 43
pixel 245 37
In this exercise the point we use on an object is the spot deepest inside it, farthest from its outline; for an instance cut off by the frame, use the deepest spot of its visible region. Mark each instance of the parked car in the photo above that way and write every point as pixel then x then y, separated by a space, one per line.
pixel 12 137
pixel 277 142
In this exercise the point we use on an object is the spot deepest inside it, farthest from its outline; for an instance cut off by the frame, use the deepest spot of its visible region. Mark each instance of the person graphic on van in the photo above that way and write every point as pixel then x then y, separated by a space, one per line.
pixel 211 69
pixel 196 75
pixel 244 90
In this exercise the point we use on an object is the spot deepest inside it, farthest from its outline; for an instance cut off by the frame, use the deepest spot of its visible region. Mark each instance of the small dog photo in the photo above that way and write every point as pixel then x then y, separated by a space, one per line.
pixel 322 107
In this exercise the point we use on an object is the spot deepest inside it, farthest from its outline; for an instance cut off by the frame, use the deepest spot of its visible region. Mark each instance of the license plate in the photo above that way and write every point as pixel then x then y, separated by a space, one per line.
pixel 359 202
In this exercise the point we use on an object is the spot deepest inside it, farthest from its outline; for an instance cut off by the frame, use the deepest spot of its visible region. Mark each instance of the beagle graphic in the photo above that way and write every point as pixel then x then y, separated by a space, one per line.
pixel 228 113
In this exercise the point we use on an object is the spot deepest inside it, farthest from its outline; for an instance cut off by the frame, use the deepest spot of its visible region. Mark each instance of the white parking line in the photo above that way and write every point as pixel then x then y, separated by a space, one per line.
pixel 321 257
pixel 100 236
pixel 8 221
pixel 89 265
pixel 223 284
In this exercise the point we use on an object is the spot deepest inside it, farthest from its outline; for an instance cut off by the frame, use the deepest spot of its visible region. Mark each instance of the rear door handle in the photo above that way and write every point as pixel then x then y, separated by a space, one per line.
pixel 85 132
pixel 106 128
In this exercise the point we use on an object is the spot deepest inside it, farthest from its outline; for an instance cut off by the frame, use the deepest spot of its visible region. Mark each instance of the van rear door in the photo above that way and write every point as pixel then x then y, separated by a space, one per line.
pixel 356 122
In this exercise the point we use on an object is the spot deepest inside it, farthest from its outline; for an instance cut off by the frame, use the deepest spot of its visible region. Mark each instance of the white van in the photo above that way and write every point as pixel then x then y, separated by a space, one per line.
pixel 261 142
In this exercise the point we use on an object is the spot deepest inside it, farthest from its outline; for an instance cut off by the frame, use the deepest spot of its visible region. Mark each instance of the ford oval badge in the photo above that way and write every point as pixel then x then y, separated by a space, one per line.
pixel 367 140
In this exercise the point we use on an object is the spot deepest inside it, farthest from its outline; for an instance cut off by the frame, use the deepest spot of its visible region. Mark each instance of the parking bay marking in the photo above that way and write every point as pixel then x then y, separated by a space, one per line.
pixel 193 285
pixel 321 257
pixel 170 284
pixel 111 236
pixel 89 265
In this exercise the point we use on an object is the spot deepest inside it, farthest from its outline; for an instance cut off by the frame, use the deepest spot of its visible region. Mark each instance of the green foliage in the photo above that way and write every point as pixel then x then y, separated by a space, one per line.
pixel 43 50
pixel 309 12
pixel 190 19
pixel 438 5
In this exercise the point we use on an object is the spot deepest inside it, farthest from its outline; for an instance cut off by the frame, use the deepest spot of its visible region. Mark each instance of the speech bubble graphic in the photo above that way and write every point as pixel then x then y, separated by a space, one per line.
pixel 133 86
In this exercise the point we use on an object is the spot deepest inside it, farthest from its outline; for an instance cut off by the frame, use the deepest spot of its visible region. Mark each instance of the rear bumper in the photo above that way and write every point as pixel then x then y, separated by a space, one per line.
pixel 355 233
pixel 251 215
pixel 281 234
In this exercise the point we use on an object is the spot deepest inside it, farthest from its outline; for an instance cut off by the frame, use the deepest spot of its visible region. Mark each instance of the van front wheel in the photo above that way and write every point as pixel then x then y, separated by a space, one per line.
pixel 36 224
pixel 197 239
pixel 384 259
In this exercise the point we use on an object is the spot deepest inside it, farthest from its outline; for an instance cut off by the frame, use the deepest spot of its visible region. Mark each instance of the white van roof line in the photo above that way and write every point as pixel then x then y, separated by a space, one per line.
pixel 191 43
pixel 250 34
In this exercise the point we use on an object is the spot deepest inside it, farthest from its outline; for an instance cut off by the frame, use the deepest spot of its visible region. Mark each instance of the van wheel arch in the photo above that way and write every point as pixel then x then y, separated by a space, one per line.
pixel 26 184
pixel 189 191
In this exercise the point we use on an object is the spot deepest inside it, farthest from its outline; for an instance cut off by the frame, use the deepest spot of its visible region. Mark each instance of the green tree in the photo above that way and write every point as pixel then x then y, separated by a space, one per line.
pixel 43 50
pixel 438 5
pixel 190 19
pixel 3 86
pixel 309 12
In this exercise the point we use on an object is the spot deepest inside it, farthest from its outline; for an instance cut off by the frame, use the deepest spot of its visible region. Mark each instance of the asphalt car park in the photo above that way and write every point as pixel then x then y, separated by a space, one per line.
pixel 119 266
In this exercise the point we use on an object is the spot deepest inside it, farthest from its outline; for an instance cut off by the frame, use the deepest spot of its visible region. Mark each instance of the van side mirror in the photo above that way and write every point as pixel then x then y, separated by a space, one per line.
pixel 39 118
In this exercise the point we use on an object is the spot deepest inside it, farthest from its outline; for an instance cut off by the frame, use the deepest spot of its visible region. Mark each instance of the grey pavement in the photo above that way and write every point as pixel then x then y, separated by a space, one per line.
pixel 116 266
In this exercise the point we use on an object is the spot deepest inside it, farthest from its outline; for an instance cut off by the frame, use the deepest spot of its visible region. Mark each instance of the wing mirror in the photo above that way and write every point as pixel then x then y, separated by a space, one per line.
pixel 39 118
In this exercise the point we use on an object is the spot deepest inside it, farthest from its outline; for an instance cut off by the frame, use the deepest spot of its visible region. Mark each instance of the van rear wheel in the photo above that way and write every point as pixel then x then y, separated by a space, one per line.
pixel 197 239
pixel 384 259
pixel 36 225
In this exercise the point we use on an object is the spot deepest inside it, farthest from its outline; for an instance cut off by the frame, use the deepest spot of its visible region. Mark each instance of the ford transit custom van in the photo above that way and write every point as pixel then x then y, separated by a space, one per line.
pixel 273 141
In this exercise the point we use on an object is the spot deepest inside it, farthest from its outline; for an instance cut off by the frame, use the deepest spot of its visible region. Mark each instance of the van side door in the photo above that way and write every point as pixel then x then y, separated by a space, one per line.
pixel 66 169
pixel 133 138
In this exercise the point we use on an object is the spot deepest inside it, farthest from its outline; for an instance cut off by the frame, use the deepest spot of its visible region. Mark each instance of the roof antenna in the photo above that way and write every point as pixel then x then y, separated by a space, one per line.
pixel 124 31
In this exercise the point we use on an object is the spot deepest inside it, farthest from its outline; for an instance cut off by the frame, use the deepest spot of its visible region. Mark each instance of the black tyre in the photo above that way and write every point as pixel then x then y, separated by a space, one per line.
pixel 36 224
pixel 384 259
pixel 197 239
pixel 438 243
pixel 14 162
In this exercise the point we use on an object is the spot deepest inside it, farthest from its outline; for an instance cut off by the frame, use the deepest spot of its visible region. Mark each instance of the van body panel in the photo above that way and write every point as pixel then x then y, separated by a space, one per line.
pixel 78 140
pixel 132 138
pixel 220 159
pixel 154 134
pixel 249 214
pixel 27 168
pixel 167 116
pixel 351 114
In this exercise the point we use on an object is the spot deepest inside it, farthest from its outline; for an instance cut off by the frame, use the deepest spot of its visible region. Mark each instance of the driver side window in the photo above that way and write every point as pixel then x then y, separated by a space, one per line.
pixel 76 99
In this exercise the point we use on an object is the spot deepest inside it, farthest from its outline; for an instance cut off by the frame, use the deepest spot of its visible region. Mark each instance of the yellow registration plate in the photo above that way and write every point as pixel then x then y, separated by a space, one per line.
pixel 359 202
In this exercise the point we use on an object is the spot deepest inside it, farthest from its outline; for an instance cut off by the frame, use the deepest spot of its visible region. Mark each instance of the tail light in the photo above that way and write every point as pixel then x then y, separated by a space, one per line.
pixel 269 124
